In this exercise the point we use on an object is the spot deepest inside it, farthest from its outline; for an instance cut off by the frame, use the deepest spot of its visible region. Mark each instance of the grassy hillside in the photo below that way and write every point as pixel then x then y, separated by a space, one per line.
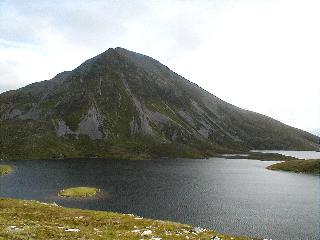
pixel 301 166
pixel 33 140
pixel 20 219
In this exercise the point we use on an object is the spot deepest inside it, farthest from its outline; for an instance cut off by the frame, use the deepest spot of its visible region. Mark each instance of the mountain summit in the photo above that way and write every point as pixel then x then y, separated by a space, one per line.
pixel 122 104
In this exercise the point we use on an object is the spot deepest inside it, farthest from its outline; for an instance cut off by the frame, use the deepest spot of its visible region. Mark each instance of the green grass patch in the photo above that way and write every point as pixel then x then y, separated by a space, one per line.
pixel 21 219
pixel 300 166
pixel 5 169
pixel 77 192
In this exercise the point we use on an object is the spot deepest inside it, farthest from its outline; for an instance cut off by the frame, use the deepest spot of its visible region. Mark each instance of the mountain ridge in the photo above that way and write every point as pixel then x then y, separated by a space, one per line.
pixel 124 104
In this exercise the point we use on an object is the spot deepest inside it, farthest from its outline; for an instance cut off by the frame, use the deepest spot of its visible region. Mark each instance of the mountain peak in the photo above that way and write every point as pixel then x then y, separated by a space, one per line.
pixel 138 58
pixel 127 105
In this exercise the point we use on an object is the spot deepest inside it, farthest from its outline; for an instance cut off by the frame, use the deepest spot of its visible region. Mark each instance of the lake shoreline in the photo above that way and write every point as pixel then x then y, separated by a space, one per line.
pixel 75 223
pixel 251 152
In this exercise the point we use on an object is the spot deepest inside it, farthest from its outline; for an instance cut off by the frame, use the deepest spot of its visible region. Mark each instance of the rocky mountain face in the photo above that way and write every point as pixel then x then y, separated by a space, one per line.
pixel 122 104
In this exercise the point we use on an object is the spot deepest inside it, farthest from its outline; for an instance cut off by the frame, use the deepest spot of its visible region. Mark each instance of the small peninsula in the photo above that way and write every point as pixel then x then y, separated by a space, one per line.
pixel 300 166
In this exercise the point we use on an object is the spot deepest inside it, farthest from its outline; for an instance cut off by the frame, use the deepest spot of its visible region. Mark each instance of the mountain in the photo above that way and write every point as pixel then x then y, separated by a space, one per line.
pixel 121 104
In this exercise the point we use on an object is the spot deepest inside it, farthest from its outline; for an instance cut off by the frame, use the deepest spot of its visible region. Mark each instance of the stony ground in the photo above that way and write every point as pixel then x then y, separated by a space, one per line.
pixel 21 219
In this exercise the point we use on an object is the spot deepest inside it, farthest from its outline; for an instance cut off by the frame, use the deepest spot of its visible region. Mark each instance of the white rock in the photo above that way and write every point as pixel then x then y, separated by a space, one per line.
pixel 215 238
pixel 72 230
pixel 198 230
pixel 15 228
pixel 146 233
pixel 185 231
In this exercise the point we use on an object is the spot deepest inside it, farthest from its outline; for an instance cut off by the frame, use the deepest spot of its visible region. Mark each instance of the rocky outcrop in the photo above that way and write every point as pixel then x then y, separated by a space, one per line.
pixel 90 125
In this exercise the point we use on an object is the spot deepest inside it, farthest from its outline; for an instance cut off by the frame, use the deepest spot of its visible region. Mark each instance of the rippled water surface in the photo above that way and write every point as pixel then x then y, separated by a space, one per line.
pixel 234 196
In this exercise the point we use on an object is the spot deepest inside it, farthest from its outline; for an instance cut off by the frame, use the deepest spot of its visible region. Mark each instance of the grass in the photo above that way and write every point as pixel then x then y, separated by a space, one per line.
pixel 21 219
pixel 77 192
pixel 5 169
pixel 299 166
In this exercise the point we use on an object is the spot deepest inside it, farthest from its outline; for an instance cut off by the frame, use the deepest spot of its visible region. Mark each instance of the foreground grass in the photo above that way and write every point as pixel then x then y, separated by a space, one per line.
pixel 21 219
pixel 5 169
pixel 77 192
pixel 303 166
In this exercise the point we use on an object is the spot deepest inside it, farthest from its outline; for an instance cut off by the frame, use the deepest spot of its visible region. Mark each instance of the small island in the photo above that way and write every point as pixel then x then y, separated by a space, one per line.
pixel 300 166
pixel 79 192
pixel 5 169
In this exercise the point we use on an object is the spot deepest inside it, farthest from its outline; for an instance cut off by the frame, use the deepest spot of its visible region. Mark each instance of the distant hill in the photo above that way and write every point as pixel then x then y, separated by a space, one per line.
pixel 122 104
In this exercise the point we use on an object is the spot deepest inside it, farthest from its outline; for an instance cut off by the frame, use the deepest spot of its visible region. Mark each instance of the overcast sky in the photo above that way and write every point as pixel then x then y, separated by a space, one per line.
pixel 261 55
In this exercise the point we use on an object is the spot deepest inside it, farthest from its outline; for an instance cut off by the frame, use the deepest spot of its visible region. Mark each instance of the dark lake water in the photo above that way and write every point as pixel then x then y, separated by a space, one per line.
pixel 234 196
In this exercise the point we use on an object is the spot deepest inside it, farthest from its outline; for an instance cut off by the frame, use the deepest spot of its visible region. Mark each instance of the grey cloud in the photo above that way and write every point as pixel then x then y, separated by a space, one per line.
pixel 97 24
pixel 17 23
pixel 8 77
pixel 94 24
pixel 85 23
pixel 316 131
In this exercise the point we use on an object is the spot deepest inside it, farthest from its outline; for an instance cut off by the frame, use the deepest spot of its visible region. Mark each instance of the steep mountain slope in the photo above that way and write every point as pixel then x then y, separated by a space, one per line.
pixel 123 104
